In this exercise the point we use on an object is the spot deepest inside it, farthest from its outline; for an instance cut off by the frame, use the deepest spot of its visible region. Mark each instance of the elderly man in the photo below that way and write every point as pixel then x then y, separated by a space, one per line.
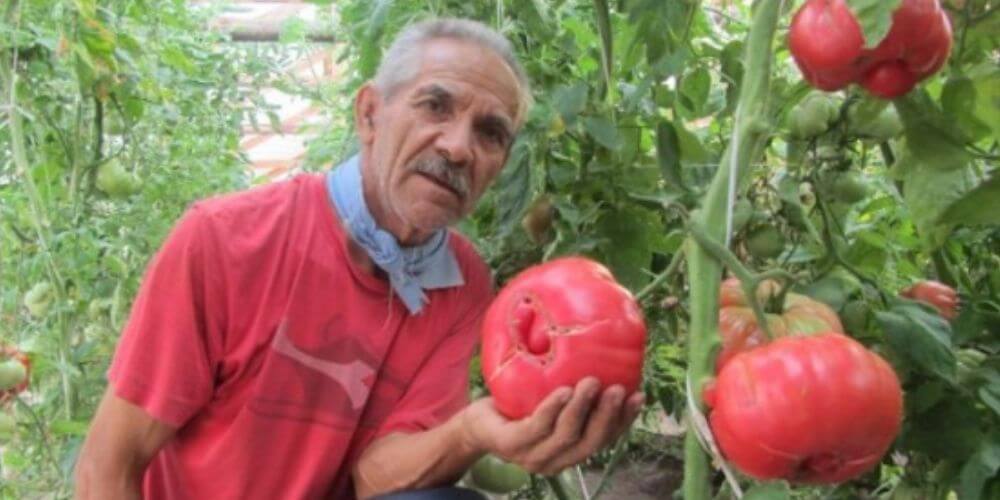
pixel 311 338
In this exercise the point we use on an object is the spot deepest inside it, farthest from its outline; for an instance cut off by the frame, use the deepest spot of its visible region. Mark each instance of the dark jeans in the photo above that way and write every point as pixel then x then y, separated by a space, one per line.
pixel 450 493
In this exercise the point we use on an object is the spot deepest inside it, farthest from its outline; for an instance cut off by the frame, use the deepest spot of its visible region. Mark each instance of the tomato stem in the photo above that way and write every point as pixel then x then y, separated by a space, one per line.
pixel 704 269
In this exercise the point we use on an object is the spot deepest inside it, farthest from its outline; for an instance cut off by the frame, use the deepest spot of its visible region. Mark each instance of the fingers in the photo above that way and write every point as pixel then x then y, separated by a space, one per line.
pixel 612 417
pixel 528 432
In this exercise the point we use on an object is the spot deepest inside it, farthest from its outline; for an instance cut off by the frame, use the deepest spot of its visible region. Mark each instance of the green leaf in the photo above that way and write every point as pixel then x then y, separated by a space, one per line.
pixel 668 151
pixel 570 100
pixel 515 186
pixel 875 18
pixel 980 468
pixel 981 206
pixel 629 236
pixel 69 427
pixel 769 491
pixel 921 336
pixel 934 166
pixel 603 131
pixel 695 87
pixel 987 107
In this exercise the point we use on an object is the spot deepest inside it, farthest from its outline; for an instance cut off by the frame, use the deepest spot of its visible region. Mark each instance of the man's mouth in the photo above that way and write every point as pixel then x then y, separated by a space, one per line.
pixel 442 184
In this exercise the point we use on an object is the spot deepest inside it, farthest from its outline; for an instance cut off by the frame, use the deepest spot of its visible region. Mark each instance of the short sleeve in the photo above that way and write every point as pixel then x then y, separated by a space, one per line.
pixel 165 357
pixel 441 387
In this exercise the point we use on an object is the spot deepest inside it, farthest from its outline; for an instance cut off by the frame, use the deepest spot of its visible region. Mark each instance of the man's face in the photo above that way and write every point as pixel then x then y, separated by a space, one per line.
pixel 438 142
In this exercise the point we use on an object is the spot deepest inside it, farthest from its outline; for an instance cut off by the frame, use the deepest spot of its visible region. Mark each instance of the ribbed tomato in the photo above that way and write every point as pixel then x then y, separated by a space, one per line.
pixel 818 409
pixel 943 297
pixel 827 44
pixel 798 315
pixel 555 324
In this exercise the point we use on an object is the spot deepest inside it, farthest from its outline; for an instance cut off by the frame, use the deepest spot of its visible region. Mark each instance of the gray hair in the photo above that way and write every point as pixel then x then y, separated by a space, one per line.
pixel 401 63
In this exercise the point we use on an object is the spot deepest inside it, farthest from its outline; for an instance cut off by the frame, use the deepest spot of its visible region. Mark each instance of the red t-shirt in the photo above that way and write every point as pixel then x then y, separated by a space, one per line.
pixel 276 357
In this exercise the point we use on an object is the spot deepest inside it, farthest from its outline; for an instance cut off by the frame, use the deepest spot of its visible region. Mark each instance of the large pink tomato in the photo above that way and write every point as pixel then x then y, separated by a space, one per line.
pixel 555 324
pixel 817 409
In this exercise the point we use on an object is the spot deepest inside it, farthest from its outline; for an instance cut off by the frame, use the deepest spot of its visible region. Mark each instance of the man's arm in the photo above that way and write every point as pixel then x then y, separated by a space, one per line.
pixel 120 443
pixel 564 430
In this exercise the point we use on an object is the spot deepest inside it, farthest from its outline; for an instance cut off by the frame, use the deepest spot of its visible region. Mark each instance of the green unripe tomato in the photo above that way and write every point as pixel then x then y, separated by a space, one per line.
pixel 882 127
pixel 813 115
pixel 12 373
pixel 848 187
pixel 496 476
pixel 114 181
pixel 39 298
pixel 766 242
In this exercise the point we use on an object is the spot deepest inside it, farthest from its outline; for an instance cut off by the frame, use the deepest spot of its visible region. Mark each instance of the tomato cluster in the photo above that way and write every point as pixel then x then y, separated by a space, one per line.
pixel 555 324
pixel 828 46
pixel 938 295
pixel 798 315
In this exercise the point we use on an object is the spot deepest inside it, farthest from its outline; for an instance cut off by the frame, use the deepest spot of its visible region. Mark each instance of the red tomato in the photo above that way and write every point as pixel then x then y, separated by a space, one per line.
pixel 827 44
pixel 555 324
pixel 819 409
pixel 10 352
pixel 738 327
pixel 943 297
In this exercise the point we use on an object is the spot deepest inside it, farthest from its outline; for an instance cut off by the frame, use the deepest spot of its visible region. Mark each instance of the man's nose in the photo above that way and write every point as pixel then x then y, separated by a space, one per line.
pixel 455 144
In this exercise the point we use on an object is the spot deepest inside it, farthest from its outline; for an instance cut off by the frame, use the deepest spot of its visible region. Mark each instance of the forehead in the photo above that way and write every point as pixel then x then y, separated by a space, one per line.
pixel 470 69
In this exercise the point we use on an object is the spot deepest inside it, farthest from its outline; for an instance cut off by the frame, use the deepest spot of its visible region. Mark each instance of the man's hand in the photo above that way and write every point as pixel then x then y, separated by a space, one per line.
pixel 565 429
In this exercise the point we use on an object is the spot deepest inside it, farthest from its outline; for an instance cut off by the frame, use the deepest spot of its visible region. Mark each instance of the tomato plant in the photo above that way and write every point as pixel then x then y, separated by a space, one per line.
pixel 555 324
pixel 777 412
pixel 15 373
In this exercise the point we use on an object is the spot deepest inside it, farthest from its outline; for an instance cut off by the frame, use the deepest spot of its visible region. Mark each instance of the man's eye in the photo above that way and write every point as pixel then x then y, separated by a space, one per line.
pixel 434 106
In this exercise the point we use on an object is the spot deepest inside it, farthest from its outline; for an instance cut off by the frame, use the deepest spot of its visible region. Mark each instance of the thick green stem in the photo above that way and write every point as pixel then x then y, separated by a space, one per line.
pixel 704 270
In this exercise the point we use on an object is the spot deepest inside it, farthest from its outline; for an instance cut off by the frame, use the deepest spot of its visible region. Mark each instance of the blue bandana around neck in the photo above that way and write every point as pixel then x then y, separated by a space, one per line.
pixel 411 270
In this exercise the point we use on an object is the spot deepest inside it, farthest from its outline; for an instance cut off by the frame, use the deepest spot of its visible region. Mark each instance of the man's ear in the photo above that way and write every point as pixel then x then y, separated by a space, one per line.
pixel 366 106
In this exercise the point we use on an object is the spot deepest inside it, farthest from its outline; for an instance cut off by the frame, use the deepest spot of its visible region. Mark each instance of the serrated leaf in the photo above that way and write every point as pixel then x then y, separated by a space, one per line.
pixel 769 491
pixel 921 336
pixel 603 131
pixel 629 236
pixel 695 86
pixel 981 206
pixel 875 18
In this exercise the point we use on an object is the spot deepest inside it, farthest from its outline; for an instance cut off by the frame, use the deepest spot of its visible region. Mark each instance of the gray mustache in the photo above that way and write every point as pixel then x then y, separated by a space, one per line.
pixel 444 171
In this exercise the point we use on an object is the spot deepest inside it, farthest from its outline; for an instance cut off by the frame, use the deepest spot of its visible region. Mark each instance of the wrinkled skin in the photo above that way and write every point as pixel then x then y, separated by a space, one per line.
pixel 556 324
pixel 942 297
pixel 827 44
pixel 820 409
pixel 800 315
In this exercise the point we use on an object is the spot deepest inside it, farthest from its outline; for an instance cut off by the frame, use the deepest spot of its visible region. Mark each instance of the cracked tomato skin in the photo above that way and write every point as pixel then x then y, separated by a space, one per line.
pixel 942 297
pixel 827 44
pixel 738 327
pixel 555 324
pixel 821 409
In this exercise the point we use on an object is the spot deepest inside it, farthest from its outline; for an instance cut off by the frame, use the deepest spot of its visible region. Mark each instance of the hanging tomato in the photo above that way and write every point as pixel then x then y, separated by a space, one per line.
pixel 942 297
pixel 555 324
pixel 818 409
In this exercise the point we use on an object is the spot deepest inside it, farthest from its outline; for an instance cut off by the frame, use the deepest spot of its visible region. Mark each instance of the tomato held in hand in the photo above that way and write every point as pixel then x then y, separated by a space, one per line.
pixel 819 409
pixel 943 297
pixel 827 44
pixel 555 324
pixel 797 315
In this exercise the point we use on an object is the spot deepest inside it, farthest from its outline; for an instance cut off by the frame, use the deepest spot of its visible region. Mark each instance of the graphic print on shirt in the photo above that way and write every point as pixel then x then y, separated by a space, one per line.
pixel 331 384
